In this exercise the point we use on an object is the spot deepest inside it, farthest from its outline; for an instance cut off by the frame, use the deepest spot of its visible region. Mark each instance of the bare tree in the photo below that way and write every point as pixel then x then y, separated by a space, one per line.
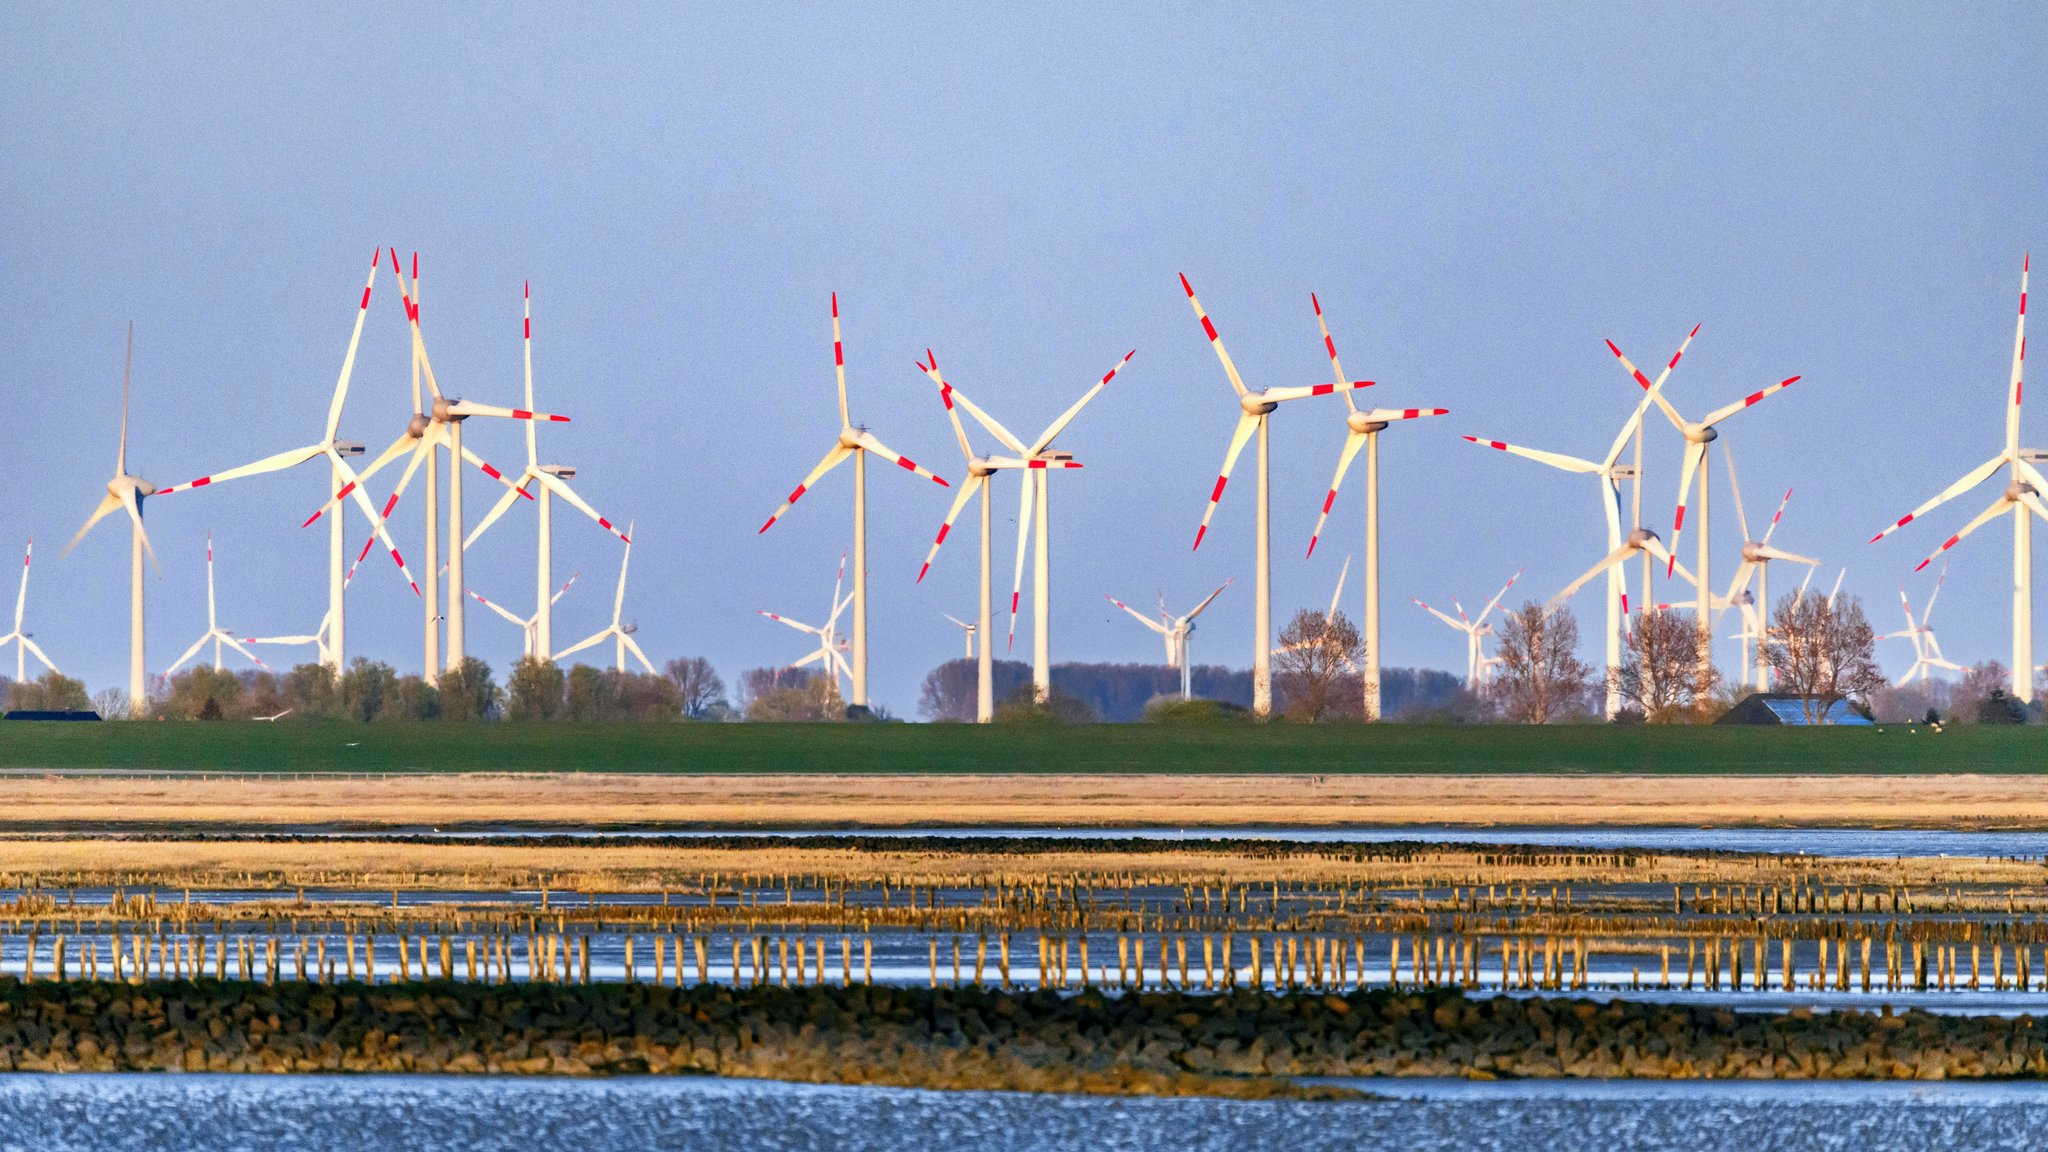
pixel 697 683
pixel 1661 672
pixel 1541 677
pixel 1822 649
pixel 1315 659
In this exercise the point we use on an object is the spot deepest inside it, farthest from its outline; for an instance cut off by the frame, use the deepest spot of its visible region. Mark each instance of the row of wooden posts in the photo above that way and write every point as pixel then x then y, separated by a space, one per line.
pixel 1317 962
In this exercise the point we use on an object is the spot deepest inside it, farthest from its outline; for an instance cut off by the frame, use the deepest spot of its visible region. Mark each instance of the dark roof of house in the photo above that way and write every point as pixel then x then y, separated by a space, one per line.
pixel 37 714
pixel 1787 708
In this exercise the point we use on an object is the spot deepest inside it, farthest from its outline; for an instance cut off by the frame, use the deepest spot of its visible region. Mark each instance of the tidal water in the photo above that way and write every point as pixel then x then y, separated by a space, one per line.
pixel 150 1112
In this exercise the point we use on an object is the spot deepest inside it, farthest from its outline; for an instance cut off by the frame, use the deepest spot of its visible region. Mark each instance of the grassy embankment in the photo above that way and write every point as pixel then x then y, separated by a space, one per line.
pixel 957 748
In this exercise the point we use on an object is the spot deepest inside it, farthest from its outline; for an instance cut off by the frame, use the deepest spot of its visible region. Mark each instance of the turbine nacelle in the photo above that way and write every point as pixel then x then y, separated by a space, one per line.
pixel 347 447
pixel 1701 434
pixel 417 426
pixel 123 484
pixel 1256 403
pixel 444 410
pixel 849 437
pixel 1641 537
pixel 560 471
pixel 1361 422
pixel 2019 489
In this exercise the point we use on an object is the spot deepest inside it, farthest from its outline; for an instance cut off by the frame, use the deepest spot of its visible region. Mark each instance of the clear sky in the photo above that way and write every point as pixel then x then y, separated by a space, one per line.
pixel 1481 194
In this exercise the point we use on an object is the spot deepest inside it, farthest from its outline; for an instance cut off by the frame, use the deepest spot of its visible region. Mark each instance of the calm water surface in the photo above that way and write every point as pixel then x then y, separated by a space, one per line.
pixel 57 1113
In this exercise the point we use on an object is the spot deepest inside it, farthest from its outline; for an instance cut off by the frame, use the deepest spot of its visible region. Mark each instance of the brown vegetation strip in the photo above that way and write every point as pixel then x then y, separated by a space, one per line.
pixel 1153 1043
pixel 599 801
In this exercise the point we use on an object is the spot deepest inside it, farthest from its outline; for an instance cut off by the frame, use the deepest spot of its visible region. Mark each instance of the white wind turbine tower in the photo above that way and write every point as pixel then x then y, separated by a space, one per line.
pixel 23 643
pixel 126 491
pixel 1253 409
pixel 620 634
pixel 971 630
pixel 553 480
pixel 831 649
pixel 1698 437
pixel 1475 631
pixel 1926 649
pixel 1033 530
pixel 857 443
pixel 341 478
pixel 529 627
pixel 440 424
pixel 1176 630
pixel 214 632
pixel 1365 428
pixel 1756 559
pixel 1610 472
pixel 2022 494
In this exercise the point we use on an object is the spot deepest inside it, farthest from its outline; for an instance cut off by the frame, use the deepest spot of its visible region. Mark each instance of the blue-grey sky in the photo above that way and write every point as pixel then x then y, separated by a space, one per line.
pixel 1481 194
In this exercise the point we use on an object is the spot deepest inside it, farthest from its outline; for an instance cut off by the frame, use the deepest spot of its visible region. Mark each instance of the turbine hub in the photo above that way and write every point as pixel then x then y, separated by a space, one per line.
pixel 849 437
pixel 979 466
pixel 444 411
pixel 417 426
pixel 1753 552
pixel 1640 537
pixel 2017 489
pixel 1362 422
pixel 1256 404
pixel 1701 434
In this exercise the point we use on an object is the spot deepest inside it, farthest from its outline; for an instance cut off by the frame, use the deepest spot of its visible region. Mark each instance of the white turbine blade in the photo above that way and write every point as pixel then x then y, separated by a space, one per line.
pixel 212 621
pixel 1337 595
pixel 956 620
pixel 619 597
pixel 348 362
pixel 1695 455
pixel 634 648
pixel 497 510
pixel 946 398
pixel 1735 486
pixel 1209 600
pixel 1997 507
pixel 189 654
pixel 1653 392
pixel 1246 425
pixel 1927 612
pixel 974 482
pixel 526 350
pixel 31 646
pixel 951 395
pixel 282 460
pixel 564 588
pixel 21 597
pixel 1336 368
pixel 1743 573
pixel 288 640
pixel 134 506
pixel 1390 415
pixel 1770 553
pixel 1353 441
pixel 412 317
pixel 1459 625
pixel 1776 516
pixel 1722 413
pixel 1970 480
pixel 1023 545
pixel 1554 459
pixel 1655 547
pixel 500 609
pixel 406 442
pixel 1615 557
pixel 839 364
pixel 1140 617
pixel 355 488
pixel 580 645
pixel 1058 426
pixel 1303 392
pixel 2019 357
pixel 801 627
pixel 472 408
pixel 108 505
pixel 820 653
pixel 870 443
pixel 839 662
pixel 560 487
pixel 1215 341
pixel 1495 602
pixel 230 642
pixel 838 454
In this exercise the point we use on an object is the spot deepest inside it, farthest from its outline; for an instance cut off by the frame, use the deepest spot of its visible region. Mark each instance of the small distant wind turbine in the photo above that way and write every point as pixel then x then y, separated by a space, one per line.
pixel 529 627
pixel 126 491
pixel 1475 631
pixel 621 634
pixel 1756 558
pixel 214 632
pixel 1176 630
pixel 1926 649
pixel 21 640
pixel 831 649
pixel 964 626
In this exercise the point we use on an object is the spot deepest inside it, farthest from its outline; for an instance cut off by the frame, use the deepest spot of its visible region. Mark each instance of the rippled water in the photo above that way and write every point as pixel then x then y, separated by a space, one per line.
pixel 54 1113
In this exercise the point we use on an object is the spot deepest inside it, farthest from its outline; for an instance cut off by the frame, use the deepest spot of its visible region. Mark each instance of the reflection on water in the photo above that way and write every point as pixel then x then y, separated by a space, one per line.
pixel 56 1114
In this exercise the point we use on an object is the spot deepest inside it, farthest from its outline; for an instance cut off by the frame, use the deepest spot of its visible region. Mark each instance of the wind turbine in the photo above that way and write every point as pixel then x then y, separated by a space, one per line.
pixel 1253 409
pixel 529 627
pixel 1365 428
pixel 1329 614
pixel 830 652
pixel 440 423
pixel 2022 494
pixel 1035 459
pixel 1610 472
pixel 964 626
pixel 553 480
pixel 341 477
pixel 22 642
pixel 1638 542
pixel 1926 649
pixel 127 492
pixel 857 443
pixel 621 634
pixel 1475 631
pixel 1698 437
pixel 1176 630
pixel 1756 559
pixel 214 631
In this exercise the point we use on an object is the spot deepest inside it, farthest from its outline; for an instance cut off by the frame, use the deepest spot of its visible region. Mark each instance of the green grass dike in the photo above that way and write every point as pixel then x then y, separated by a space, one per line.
pixel 324 746
pixel 1243 1044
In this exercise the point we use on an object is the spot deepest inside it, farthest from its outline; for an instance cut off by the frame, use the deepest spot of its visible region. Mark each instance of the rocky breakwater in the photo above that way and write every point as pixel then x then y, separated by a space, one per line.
pixel 1242 1044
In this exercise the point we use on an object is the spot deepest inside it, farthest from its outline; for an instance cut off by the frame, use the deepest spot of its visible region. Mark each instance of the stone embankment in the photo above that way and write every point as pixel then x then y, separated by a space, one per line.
pixel 1239 1044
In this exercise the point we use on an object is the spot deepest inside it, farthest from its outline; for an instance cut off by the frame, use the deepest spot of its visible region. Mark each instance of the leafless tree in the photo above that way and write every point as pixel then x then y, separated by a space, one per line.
pixel 1541 677
pixel 1315 660
pixel 1822 649
pixel 1661 672
pixel 697 683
